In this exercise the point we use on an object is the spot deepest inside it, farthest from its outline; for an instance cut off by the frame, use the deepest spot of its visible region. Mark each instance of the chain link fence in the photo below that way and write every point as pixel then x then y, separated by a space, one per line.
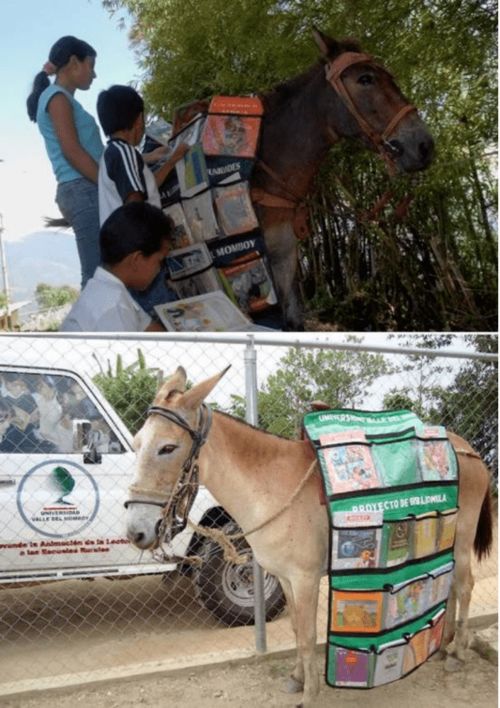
pixel 77 601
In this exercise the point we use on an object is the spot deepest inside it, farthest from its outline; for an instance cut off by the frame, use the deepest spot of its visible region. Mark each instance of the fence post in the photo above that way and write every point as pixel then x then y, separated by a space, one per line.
pixel 252 418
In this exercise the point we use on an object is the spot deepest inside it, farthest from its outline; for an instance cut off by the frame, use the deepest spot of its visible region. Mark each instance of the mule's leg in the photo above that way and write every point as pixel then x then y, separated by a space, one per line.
pixel 463 586
pixel 295 682
pixel 449 622
pixel 305 593
pixel 282 251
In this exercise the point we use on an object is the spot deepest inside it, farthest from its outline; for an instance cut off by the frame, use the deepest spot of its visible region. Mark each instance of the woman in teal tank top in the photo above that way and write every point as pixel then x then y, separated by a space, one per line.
pixel 72 140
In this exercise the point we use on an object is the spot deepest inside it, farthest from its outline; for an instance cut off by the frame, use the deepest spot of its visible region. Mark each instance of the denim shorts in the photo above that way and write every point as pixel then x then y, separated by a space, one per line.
pixel 79 204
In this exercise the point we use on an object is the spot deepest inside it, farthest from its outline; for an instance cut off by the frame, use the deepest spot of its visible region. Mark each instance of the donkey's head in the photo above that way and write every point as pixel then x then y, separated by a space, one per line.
pixel 167 447
pixel 372 107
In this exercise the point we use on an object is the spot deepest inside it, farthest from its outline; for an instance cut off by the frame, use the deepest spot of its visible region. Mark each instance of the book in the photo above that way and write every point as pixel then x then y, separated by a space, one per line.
pixel 397 547
pixel 234 209
pixel 425 534
pixel 192 172
pixel 406 601
pixel 210 312
pixel 224 169
pixel 244 271
pixel 356 611
pixel 349 465
pixel 356 539
pixel 434 456
pixel 191 271
pixel 416 651
pixel 441 579
pixel 189 134
pixel 235 135
pixel 200 217
pixel 436 631
pixel 242 105
pixel 447 528
pixel 352 668
pixel 389 662
pixel 181 236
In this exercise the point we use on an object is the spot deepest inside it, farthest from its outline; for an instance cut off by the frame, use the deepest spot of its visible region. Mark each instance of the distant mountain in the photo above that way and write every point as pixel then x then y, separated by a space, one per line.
pixel 41 257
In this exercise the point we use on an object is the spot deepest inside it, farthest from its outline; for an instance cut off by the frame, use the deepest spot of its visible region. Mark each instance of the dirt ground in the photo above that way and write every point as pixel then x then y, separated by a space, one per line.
pixel 259 682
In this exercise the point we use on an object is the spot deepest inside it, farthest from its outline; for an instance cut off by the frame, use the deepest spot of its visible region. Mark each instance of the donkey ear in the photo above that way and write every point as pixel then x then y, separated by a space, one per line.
pixel 196 395
pixel 175 384
pixel 327 46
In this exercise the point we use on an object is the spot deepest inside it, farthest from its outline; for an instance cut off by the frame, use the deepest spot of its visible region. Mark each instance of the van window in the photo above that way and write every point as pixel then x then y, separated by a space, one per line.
pixel 45 413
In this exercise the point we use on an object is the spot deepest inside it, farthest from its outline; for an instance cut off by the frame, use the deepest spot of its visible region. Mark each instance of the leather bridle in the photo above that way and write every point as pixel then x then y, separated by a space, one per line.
pixel 177 506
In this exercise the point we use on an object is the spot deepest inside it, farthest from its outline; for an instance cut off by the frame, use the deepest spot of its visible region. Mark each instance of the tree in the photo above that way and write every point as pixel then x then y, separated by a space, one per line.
pixel 48 296
pixel 428 260
pixel 340 379
pixel 130 390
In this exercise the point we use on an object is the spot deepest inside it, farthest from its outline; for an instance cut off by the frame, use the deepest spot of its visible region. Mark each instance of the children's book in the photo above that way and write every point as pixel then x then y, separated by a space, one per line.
pixel 349 463
pixel 224 169
pixel 191 271
pixel 389 662
pixel 234 209
pixel 435 459
pixel 436 631
pixel 356 539
pixel 440 584
pixel 211 312
pixel 356 611
pixel 190 134
pixel 425 535
pixel 447 527
pixel 181 236
pixel 192 172
pixel 397 549
pixel 244 271
pixel 406 602
pixel 200 217
pixel 352 668
pixel 416 651
pixel 241 105
pixel 235 135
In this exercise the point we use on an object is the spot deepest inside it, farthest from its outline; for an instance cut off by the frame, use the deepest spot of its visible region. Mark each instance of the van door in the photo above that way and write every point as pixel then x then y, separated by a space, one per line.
pixel 65 466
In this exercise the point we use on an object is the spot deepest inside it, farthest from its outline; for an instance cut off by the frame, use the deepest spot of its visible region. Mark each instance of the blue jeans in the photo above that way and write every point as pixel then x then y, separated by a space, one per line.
pixel 156 294
pixel 79 205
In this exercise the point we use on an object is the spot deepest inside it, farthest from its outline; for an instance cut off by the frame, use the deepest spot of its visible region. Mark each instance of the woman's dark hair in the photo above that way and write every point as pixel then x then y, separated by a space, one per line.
pixel 136 226
pixel 59 56
pixel 118 108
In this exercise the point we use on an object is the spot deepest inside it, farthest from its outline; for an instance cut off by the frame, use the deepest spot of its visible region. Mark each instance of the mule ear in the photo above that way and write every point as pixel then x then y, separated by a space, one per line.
pixel 327 46
pixel 196 395
pixel 175 384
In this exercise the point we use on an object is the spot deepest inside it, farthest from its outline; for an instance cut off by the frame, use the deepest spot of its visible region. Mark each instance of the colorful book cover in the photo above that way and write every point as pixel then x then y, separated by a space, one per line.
pixel 349 465
pixel 447 528
pixel 241 105
pixel 231 135
pixel 436 632
pixel 181 236
pixel 192 172
pixel 352 668
pixel 440 584
pixel 425 535
pixel 200 217
pixel 356 611
pixel 406 602
pixel 398 542
pixel 189 134
pixel 211 312
pixel 434 456
pixel 191 271
pixel 416 651
pixel 224 169
pixel 356 540
pixel 389 662
pixel 234 209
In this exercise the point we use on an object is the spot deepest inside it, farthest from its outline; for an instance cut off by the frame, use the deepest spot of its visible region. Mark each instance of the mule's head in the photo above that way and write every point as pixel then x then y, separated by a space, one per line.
pixel 372 107
pixel 162 447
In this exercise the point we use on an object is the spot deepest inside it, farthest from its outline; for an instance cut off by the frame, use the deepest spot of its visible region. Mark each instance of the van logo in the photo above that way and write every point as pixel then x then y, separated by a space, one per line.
pixel 58 498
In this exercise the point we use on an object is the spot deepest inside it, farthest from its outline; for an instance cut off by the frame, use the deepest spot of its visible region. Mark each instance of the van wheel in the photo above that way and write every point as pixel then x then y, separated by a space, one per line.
pixel 226 589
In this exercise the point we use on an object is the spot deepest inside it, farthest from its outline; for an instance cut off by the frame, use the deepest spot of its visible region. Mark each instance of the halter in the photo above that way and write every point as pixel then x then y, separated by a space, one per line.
pixel 178 505
pixel 334 70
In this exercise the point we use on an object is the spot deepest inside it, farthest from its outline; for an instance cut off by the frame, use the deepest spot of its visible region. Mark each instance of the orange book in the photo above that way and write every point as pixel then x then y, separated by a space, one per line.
pixel 447 526
pixel 416 651
pixel 241 105
pixel 231 135
pixel 356 611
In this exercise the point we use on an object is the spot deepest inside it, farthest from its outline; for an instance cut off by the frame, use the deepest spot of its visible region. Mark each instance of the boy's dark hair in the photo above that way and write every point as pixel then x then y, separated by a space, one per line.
pixel 118 108
pixel 59 55
pixel 136 226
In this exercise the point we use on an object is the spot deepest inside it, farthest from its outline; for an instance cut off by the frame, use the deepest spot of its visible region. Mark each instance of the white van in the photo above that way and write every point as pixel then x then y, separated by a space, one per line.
pixel 66 462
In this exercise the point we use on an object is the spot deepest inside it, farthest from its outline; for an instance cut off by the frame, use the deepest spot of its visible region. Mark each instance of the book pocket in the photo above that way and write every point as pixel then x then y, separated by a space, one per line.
pixel 347 459
pixel 440 584
pixel 406 601
pixel 357 612
pixel 436 458
pixel 356 540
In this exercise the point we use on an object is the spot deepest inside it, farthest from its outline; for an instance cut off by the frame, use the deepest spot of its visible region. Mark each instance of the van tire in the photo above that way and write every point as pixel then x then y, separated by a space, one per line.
pixel 226 589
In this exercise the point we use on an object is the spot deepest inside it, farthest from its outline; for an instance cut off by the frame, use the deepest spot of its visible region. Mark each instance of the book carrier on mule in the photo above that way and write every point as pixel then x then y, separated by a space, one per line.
pixel 391 488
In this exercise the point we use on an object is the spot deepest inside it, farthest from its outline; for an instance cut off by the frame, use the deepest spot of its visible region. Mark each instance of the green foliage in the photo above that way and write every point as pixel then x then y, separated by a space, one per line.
pixel 48 296
pixel 130 390
pixel 340 379
pixel 434 267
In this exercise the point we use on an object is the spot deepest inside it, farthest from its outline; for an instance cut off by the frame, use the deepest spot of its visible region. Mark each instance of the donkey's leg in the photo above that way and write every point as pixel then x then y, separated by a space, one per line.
pixel 305 593
pixel 295 682
pixel 282 250
pixel 464 584
pixel 449 622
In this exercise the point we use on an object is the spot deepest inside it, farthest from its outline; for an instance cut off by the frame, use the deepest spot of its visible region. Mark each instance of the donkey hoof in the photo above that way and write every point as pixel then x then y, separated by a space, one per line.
pixel 292 685
pixel 452 664
pixel 439 655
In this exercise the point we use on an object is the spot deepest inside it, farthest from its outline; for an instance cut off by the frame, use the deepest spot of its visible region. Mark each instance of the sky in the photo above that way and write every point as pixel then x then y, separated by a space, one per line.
pixel 28 29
